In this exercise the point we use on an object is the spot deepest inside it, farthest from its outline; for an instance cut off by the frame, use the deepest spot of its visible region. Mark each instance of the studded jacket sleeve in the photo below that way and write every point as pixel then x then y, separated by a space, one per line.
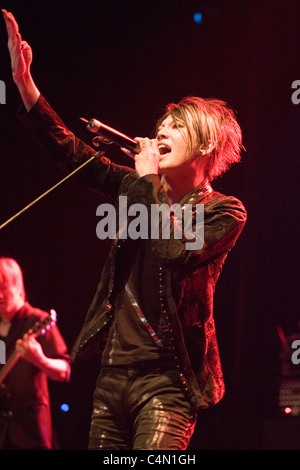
pixel 69 152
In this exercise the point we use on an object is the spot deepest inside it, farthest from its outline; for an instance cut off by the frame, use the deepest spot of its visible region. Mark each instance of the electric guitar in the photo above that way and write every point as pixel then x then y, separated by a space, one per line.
pixel 40 328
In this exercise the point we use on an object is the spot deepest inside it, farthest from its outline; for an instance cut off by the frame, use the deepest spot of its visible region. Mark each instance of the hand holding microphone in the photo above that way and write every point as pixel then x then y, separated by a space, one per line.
pixel 144 151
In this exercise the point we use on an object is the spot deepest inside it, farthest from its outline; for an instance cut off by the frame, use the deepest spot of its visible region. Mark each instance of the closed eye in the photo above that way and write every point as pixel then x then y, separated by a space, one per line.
pixel 178 124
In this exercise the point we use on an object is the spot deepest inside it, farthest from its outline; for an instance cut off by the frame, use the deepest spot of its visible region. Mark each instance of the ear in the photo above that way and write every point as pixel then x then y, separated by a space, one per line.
pixel 208 149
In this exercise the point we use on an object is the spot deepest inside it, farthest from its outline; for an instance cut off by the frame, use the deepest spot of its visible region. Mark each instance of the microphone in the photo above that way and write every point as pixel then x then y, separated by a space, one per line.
pixel 108 135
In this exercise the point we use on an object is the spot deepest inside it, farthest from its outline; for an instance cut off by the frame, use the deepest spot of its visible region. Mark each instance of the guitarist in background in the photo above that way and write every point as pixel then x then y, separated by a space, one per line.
pixel 25 417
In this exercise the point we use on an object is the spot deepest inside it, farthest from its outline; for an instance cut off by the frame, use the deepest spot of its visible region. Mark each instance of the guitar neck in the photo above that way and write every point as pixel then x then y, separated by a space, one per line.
pixel 39 328
pixel 5 370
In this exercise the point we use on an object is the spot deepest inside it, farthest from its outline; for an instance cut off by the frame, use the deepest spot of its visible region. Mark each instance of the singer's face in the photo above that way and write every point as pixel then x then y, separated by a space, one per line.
pixel 173 143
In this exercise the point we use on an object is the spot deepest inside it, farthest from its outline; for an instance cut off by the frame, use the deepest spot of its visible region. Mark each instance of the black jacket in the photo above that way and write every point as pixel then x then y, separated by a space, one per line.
pixel 191 274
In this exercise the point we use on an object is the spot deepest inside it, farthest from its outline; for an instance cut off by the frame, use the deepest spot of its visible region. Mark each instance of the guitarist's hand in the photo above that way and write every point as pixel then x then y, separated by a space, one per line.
pixel 30 349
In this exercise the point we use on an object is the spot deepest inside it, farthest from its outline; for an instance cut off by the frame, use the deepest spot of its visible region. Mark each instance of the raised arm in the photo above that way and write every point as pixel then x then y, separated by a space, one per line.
pixel 21 59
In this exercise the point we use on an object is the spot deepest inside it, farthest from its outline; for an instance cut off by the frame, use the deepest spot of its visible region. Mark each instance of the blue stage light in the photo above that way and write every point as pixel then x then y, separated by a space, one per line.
pixel 198 18
pixel 64 407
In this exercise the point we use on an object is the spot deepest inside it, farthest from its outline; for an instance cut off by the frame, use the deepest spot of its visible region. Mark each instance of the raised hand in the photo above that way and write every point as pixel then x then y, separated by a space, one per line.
pixel 20 51
pixel 21 59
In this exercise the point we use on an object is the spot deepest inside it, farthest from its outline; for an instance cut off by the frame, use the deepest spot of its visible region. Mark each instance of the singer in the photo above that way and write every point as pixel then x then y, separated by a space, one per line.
pixel 152 315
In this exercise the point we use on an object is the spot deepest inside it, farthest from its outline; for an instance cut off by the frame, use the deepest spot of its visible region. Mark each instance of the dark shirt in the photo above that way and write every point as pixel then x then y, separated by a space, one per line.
pixel 139 333
pixel 28 423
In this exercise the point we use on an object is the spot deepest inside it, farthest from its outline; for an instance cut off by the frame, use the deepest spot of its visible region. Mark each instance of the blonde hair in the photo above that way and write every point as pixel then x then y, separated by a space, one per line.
pixel 11 275
pixel 212 129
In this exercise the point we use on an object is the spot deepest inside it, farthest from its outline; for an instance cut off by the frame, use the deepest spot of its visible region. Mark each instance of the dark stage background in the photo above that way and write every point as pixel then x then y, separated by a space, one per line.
pixel 122 62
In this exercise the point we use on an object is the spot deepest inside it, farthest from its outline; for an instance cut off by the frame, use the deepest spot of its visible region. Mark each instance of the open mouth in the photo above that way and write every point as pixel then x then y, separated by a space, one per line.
pixel 163 150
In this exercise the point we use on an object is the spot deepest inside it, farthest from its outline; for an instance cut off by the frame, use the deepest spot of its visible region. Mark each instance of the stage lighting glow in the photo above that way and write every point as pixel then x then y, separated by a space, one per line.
pixel 288 410
pixel 198 18
pixel 64 407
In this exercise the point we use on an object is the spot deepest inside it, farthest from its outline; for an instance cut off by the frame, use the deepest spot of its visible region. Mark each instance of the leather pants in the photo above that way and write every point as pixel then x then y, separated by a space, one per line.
pixel 140 409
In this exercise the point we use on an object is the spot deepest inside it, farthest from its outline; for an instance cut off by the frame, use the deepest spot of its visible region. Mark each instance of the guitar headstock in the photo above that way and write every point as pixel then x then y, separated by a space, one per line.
pixel 42 326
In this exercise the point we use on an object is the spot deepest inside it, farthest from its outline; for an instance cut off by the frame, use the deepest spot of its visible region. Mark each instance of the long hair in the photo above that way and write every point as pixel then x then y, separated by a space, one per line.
pixel 11 275
pixel 213 130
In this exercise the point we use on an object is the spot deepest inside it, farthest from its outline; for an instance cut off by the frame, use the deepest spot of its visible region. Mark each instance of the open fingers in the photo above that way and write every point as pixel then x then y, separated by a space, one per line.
pixel 8 24
pixel 14 37
pixel 11 24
